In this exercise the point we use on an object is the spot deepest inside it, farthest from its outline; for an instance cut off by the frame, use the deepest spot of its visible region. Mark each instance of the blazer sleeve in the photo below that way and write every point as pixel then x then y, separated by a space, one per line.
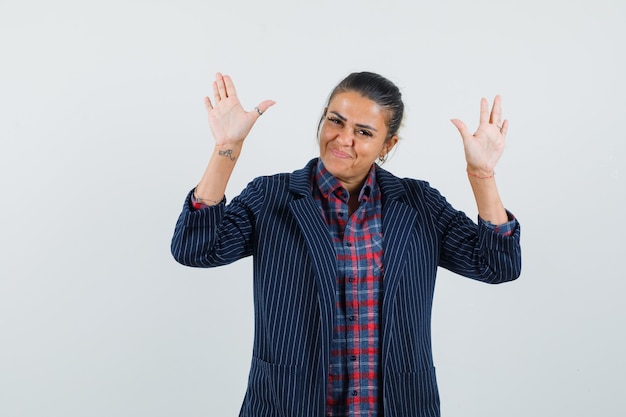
pixel 474 250
pixel 217 235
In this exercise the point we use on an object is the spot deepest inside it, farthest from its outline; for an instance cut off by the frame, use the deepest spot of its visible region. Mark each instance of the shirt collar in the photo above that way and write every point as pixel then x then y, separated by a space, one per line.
pixel 328 184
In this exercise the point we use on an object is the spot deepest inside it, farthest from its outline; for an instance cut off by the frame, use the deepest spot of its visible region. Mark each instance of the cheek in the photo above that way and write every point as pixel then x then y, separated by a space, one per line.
pixel 323 144
pixel 324 136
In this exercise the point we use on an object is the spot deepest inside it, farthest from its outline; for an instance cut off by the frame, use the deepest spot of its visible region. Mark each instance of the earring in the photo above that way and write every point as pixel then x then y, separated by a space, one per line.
pixel 382 159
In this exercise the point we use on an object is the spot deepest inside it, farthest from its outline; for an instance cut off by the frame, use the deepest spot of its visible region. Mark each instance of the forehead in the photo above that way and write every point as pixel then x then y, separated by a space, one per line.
pixel 356 107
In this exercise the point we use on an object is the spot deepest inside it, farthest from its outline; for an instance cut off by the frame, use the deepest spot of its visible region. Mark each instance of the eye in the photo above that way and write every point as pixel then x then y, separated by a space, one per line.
pixel 334 120
pixel 364 132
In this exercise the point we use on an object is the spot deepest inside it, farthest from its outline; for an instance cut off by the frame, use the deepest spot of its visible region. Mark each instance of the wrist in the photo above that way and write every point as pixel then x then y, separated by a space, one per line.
pixel 197 200
pixel 480 174
pixel 227 151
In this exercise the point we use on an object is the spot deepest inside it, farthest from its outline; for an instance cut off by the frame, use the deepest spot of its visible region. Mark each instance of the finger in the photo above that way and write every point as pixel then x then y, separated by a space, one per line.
pixel 496 111
pixel 229 87
pixel 505 127
pixel 263 106
pixel 207 104
pixel 461 127
pixel 484 111
pixel 216 93
pixel 221 87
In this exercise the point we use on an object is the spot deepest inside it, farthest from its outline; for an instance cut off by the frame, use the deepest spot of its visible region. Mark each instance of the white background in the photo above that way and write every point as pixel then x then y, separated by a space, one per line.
pixel 103 132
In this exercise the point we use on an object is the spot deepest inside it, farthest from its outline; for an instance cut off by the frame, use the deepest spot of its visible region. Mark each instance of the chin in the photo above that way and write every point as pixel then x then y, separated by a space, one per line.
pixel 333 163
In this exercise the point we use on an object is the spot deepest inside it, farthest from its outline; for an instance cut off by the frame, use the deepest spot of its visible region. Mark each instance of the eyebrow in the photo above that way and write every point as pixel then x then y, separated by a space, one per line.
pixel 357 124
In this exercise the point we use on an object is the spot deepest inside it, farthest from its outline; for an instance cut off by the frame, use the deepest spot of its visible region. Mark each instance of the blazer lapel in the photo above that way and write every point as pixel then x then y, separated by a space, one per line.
pixel 321 250
pixel 399 220
pixel 398 227
pixel 320 247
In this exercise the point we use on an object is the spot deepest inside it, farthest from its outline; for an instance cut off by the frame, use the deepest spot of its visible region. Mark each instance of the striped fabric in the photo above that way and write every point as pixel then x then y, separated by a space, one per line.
pixel 276 220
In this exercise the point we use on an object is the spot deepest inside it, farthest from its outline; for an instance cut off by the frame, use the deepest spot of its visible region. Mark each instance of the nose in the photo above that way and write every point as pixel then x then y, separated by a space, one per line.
pixel 346 137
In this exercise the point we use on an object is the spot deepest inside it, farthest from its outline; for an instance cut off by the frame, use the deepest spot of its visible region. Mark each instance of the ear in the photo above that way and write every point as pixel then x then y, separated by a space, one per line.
pixel 389 144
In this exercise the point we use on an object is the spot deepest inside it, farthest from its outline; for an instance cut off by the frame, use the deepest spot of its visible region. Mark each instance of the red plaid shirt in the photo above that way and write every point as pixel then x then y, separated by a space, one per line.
pixel 354 375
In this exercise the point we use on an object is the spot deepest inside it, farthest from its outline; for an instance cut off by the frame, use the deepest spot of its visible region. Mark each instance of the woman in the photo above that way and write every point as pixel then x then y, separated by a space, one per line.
pixel 345 254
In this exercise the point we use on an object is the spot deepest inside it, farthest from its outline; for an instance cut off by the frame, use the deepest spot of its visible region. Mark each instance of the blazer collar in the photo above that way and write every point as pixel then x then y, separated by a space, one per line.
pixel 391 187
pixel 300 180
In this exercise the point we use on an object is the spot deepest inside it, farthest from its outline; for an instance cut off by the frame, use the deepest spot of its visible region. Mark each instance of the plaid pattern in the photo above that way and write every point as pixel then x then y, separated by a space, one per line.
pixel 353 386
pixel 505 229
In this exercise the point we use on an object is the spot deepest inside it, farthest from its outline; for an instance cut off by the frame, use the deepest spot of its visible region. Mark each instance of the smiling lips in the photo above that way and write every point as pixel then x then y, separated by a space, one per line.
pixel 339 154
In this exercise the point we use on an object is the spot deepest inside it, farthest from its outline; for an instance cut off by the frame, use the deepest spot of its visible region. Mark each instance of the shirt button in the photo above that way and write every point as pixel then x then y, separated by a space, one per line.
pixel 350 279
pixel 348 244
pixel 355 393
pixel 351 318
pixel 353 357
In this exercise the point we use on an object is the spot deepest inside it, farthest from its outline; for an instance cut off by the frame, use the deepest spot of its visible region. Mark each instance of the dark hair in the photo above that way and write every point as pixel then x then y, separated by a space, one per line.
pixel 378 89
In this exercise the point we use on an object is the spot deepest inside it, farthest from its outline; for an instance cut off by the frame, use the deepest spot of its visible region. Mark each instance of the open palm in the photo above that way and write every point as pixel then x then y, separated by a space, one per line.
pixel 484 147
pixel 229 122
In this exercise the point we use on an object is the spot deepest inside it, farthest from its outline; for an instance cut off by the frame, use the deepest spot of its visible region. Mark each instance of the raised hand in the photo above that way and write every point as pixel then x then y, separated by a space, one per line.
pixel 484 148
pixel 229 122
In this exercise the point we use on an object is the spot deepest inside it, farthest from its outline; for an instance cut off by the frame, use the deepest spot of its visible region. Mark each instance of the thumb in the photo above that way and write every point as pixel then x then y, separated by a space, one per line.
pixel 263 106
pixel 461 127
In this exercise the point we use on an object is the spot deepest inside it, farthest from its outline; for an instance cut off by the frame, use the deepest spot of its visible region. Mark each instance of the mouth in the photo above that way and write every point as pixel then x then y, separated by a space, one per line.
pixel 339 154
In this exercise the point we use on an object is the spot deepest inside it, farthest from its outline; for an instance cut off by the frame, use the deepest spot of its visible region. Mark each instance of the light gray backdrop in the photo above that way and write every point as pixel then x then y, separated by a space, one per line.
pixel 103 132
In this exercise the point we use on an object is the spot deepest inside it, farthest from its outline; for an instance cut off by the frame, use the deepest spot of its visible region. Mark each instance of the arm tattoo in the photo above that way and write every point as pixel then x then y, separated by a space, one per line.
pixel 228 153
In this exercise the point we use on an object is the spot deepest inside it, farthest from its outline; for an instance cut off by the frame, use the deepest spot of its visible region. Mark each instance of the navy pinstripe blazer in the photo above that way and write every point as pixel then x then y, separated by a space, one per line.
pixel 276 220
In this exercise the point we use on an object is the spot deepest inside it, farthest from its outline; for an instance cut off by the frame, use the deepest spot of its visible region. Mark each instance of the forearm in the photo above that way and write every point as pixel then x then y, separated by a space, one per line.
pixel 212 186
pixel 220 234
pixel 490 207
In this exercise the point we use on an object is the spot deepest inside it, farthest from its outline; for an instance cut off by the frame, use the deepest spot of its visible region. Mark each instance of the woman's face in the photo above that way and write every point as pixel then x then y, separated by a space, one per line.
pixel 352 137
